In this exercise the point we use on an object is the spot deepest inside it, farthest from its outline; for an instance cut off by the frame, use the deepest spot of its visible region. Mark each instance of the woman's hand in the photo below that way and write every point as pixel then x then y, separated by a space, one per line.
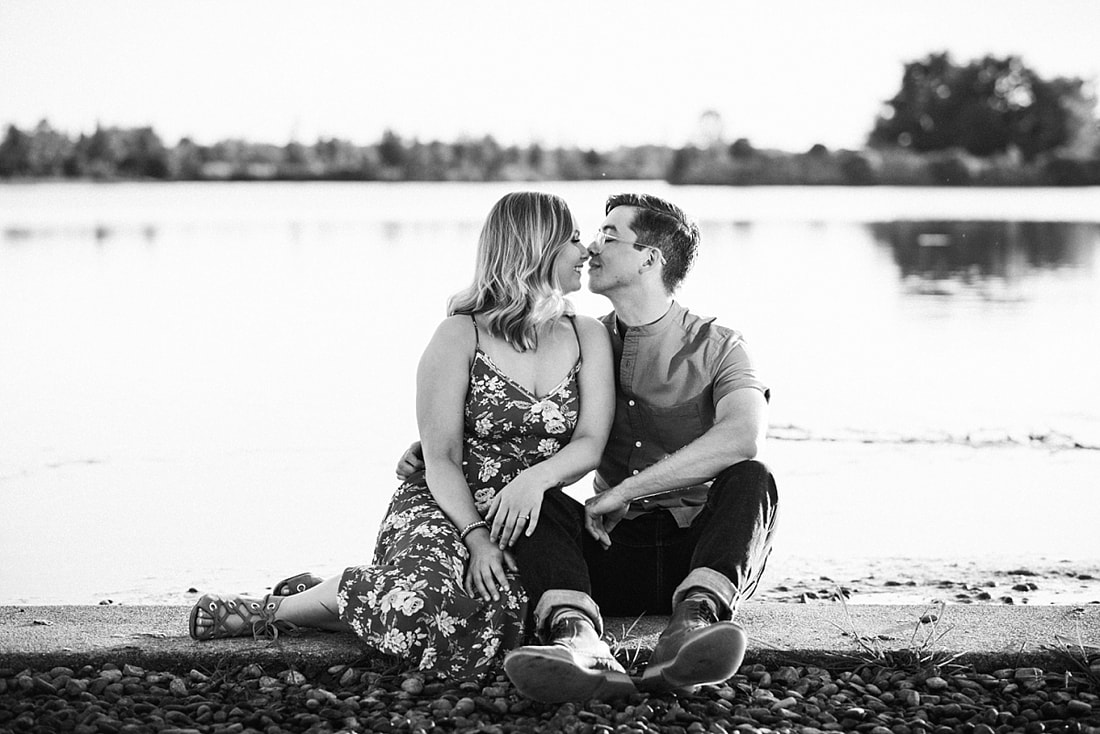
pixel 487 570
pixel 514 508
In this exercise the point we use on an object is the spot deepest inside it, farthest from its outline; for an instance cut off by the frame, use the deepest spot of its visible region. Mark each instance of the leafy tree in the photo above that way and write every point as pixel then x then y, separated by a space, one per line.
pixel 741 149
pixel 101 151
pixel 186 160
pixel 143 154
pixel 986 107
pixel 49 151
pixel 391 149
pixel 15 153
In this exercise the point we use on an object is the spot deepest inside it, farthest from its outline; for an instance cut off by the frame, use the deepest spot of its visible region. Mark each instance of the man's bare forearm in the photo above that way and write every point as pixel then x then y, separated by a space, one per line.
pixel 698 462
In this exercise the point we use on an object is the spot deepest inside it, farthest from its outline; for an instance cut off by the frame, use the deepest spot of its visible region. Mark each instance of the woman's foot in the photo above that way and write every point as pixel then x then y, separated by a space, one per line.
pixel 217 616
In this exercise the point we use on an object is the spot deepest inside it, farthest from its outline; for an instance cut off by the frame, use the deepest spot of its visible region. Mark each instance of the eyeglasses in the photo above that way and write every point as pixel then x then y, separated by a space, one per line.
pixel 602 238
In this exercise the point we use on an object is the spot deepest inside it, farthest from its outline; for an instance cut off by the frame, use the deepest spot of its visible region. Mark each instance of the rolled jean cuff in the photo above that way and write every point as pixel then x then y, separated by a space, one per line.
pixel 553 599
pixel 710 580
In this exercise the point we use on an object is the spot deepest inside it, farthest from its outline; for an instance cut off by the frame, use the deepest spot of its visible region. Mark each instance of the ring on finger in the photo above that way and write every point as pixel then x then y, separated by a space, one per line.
pixel 524 517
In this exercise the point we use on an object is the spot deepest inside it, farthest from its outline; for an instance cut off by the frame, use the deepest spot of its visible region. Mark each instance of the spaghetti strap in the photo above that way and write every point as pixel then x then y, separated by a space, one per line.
pixel 573 322
pixel 477 337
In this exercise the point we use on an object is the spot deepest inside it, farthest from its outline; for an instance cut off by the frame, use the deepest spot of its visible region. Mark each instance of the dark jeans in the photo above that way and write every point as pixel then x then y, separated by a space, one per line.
pixel 650 555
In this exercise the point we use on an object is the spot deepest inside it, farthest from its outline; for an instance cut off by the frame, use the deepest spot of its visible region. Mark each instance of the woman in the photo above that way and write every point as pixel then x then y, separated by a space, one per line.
pixel 515 395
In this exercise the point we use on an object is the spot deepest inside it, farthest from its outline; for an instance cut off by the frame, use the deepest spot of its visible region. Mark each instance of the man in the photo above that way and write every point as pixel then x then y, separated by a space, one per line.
pixel 682 518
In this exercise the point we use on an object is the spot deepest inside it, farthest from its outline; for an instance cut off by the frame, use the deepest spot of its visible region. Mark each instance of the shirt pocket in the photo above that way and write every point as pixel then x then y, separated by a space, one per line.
pixel 676 426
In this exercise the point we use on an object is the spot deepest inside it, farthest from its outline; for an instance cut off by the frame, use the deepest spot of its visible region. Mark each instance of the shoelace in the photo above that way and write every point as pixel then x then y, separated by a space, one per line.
pixel 563 628
pixel 270 629
pixel 703 611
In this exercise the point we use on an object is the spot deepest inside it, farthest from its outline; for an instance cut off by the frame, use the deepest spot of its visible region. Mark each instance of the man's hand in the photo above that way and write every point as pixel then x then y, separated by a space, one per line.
pixel 602 513
pixel 411 461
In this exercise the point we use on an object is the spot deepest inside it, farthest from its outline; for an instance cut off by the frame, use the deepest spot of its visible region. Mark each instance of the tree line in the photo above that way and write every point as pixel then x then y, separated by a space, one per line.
pixel 991 121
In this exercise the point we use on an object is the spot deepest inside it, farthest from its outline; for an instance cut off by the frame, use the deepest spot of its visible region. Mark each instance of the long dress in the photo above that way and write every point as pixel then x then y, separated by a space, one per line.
pixel 410 601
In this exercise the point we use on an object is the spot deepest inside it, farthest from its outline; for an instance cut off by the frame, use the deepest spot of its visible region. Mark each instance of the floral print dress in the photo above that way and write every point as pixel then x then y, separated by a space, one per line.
pixel 410 601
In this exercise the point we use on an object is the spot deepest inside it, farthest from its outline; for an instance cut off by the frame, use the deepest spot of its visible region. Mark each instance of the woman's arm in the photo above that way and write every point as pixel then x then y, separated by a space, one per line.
pixel 523 495
pixel 442 380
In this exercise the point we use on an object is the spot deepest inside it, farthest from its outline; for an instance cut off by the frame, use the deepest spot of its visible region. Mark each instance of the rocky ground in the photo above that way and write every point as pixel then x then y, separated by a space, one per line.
pixel 873 696
pixel 927 581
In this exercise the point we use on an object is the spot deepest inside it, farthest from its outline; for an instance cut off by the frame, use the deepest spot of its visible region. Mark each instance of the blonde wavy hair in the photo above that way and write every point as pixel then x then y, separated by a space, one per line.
pixel 515 289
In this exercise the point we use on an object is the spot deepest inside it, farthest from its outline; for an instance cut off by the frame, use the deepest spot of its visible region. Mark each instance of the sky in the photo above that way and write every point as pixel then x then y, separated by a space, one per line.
pixel 785 73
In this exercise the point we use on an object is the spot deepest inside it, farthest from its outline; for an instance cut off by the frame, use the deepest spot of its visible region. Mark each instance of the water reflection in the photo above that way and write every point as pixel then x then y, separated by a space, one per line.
pixel 946 257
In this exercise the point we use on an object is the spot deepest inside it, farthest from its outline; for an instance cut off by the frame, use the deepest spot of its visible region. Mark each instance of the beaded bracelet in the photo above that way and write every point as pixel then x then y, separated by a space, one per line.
pixel 471 528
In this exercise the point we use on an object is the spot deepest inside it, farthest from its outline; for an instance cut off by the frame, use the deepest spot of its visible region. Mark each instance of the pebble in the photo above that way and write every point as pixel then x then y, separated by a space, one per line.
pixel 1078 708
pixel 252 671
pixel 412 685
pixel 936 683
pixel 348 677
pixel 110 700
pixel 111 675
pixel 909 697
pixel 292 677
pixel 1028 674
pixel 178 688
pixel 133 671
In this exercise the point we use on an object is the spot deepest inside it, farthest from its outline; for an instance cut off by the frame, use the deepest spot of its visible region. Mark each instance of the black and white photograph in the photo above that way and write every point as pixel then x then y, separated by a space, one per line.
pixel 588 367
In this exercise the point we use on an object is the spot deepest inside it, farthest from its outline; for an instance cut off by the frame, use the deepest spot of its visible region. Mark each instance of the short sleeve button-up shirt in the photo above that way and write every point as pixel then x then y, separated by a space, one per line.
pixel 669 377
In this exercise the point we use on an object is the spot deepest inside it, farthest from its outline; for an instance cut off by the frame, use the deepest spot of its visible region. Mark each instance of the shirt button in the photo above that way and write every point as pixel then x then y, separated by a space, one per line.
pixel 630 403
pixel 638 444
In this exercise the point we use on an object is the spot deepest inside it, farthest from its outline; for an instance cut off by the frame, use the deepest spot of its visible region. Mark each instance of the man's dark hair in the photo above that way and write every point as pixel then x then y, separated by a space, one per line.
pixel 664 225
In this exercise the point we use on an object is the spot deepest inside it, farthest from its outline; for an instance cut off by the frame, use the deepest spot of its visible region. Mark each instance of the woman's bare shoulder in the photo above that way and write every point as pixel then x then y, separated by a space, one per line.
pixel 590 328
pixel 455 332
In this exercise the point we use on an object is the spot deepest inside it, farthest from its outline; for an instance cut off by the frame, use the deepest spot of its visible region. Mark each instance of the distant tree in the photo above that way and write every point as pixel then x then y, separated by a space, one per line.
pixel 681 164
pixel 294 161
pixel 392 149
pixel 186 160
pixel 491 158
pixel 856 169
pixel 741 149
pixel 342 159
pixel 100 153
pixel 49 151
pixel 535 157
pixel 985 107
pixel 15 153
pixel 143 154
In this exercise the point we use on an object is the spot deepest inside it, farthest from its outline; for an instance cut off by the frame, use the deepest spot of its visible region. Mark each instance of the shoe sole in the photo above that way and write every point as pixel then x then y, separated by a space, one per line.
pixel 712 655
pixel 192 628
pixel 552 676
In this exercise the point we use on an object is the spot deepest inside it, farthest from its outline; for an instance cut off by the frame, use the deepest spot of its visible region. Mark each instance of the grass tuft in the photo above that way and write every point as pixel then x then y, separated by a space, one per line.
pixel 1085 659
pixel 626 647
pixel 921 655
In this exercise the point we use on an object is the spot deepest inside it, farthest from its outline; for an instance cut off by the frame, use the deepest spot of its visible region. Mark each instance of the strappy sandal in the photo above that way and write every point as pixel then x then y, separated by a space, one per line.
pixel 296 584
pixel 217 616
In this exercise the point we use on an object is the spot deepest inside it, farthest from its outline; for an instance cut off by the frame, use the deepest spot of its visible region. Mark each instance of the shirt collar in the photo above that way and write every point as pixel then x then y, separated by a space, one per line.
pixel 671 316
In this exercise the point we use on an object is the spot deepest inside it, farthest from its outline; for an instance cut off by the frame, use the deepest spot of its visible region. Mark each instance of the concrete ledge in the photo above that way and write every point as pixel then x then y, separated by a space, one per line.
pixel 155 637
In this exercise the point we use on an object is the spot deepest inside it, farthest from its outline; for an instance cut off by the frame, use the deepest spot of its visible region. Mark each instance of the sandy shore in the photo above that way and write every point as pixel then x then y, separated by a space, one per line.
pixel 930 581
pixel 859 581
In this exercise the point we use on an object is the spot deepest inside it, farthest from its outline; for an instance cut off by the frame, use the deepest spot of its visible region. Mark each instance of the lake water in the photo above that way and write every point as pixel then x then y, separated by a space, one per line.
pixel 200 383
